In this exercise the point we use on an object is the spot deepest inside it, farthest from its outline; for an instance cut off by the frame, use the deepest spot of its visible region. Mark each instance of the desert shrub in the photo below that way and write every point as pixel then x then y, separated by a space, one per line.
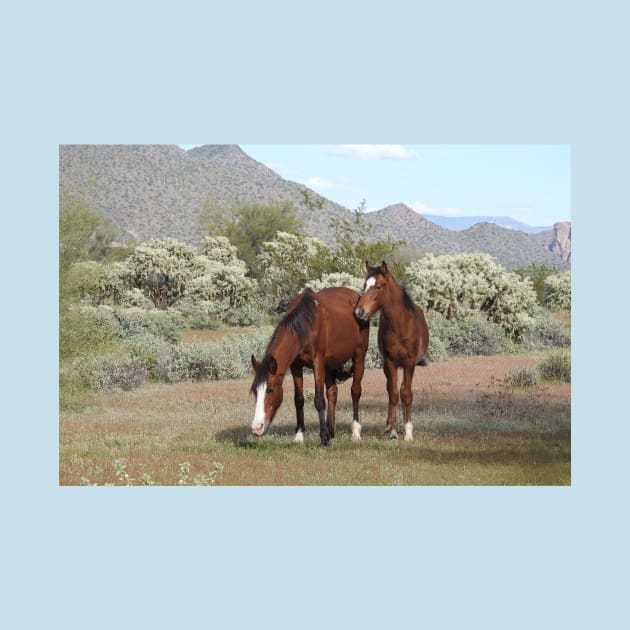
pixel 135 297
pixel 110 371
pixel 373 358
pixel 557 367
pixel 249 314
pixel 437 350
pixel 522 377
pixel 547 332
pixel 137 321
pixel 198 314
pixel 472 335
pixel 85 330
pixel 232 357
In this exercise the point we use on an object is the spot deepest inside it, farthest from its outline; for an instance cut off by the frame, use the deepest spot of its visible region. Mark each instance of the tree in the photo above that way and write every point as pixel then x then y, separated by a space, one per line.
pixel 537 274
pixel 355 244
pixel 250 225
pixel 83 233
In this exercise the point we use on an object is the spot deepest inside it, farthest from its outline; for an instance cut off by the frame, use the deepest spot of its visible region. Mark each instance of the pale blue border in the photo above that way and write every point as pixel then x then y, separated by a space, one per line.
pixel 436 558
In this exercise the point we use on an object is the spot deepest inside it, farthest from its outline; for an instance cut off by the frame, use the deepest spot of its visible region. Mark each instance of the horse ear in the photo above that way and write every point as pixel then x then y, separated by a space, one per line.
pixel 367 266
pixel 255 364
pixel 273 366
pixel 384 267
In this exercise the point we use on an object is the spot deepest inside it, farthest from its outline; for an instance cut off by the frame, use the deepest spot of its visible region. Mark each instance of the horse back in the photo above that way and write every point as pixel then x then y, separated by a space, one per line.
pixel 337 332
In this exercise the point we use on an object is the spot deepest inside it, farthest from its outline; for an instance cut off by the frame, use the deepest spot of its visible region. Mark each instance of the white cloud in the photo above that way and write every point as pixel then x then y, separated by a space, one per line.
pixel 373 151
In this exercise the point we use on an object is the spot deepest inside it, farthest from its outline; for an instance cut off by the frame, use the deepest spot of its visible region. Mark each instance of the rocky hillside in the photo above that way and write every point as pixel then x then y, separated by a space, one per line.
pixel 557 240
pixel 159 190
pixel 512 248
pixel 153 191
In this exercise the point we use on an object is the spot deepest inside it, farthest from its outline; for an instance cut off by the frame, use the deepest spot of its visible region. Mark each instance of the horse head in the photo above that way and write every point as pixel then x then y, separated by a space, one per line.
pixel 267 388
pixel 375 291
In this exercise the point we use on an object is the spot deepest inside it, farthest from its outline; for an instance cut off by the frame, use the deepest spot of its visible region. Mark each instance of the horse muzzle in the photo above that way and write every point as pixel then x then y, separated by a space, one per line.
pixel 259 429
pixel 362 314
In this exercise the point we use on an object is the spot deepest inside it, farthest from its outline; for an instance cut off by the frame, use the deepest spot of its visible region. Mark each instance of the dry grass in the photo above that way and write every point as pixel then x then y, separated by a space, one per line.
pixel 470 428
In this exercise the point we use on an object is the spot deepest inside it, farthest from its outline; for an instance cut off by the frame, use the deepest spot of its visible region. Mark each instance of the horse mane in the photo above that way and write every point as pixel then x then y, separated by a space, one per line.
pixel 298 321
pixel 407 301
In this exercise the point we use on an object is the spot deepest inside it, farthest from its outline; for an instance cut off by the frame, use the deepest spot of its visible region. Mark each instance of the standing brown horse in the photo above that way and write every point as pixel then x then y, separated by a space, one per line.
pixel 403 337
pixel 320 332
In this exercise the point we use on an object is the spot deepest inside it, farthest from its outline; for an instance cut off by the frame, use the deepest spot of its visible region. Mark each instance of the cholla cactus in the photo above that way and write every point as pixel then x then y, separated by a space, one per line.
pixel 558 291
pixel 342 279
pixel 458 284
pixel 162 268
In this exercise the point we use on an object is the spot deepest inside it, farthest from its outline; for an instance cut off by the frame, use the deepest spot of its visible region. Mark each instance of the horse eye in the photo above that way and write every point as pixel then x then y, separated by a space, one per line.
pixel 270 390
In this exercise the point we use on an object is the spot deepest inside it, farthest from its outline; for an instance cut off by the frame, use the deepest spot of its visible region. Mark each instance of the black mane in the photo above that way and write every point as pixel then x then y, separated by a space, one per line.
pixel 298 320
pixel 408 302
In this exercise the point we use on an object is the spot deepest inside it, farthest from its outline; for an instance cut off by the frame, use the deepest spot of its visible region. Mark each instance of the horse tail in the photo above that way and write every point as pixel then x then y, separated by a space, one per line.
pixel 423 361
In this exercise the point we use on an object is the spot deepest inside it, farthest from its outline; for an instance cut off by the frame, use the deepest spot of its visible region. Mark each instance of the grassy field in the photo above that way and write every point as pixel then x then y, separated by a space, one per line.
pixel 470 428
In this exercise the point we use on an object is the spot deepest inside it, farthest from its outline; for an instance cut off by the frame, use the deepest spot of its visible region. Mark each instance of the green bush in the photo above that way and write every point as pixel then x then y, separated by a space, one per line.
pixel 437 350
pixel 110 371
pixel 557 367
pixel 472 335
pixel 547 332
pixel 250 314
pixel 198 314
pixel 86 330
pixel 137 321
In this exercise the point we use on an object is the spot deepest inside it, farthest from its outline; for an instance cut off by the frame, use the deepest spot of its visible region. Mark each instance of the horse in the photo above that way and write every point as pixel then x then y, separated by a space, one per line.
pixel 403 338
pixel 319 331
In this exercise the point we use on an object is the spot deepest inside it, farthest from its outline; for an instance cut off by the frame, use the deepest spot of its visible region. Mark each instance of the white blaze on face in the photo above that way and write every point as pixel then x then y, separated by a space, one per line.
pixel 369 283
pixel 259 413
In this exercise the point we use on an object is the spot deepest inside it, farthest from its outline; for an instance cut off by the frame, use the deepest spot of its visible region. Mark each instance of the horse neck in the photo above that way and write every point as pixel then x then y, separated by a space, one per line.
pixel 285 350
pixel 394 308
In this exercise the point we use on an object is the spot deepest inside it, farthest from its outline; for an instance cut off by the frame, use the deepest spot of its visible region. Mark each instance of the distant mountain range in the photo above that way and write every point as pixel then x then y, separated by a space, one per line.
pixel 153 191
pixel 462 223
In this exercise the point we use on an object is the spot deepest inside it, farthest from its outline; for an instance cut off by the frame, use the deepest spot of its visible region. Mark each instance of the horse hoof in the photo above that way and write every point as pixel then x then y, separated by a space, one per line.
pixel 392 435
pixel 299 437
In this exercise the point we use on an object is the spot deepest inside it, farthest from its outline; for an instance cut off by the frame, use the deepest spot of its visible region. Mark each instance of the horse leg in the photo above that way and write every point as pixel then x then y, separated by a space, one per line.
pixel 406 395
pixel 358 367
pixel 319 373
pixel 392 391
pixel 331 396
pixel 298 398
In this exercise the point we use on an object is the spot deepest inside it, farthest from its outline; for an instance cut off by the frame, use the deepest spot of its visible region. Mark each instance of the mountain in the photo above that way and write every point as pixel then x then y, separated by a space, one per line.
pixel 399 221
pixel 462 223
pixel 512 248
pixel 152 191
pixel 557 240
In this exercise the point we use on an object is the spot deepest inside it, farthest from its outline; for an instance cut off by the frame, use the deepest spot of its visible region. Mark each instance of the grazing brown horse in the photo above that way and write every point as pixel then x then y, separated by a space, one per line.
pixel 319 331
pixel 403 337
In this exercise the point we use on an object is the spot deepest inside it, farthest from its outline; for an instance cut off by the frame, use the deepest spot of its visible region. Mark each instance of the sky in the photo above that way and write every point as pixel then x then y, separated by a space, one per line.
pixel 530 183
